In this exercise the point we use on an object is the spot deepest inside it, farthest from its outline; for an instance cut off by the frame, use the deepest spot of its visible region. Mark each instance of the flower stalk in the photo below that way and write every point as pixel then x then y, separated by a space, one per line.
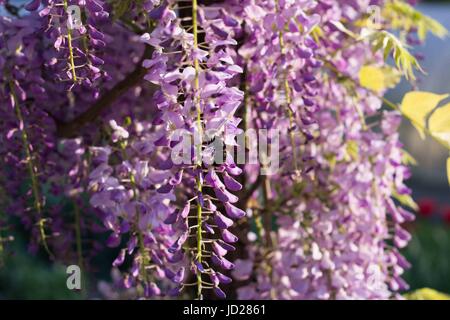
pixel 31 169
pixel 198 147
pixel 72 66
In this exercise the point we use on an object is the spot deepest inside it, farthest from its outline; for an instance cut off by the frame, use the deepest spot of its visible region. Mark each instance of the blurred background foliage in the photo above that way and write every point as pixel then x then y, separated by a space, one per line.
pixel 429 254
pixel 24 276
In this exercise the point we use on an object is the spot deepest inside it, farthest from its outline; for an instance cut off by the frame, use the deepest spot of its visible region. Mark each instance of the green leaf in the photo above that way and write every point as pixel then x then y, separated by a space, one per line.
pixel 331 158
pixel 390 44
pixel 340 26
pixel 352 150
pixel 408 159
pixel 406 200
pixel 121 7
pixel 417 105
pixel 405 17
pixel 317 33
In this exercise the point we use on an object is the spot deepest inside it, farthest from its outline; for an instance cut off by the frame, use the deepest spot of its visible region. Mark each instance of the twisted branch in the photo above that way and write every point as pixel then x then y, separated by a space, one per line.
pixel 71 129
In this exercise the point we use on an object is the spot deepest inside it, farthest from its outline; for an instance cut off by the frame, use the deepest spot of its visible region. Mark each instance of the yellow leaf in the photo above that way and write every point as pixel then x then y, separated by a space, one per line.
pixel 379 79
pixel 340 26
pixel 408 159
pixel 372 78
pixel 405 200
pixel 416 106
pixel 332 160
pixel 317 33
pixel 439 124
pixel 353 150
pixel 448 170
pixel 392 77
pixel 427 294
pixel 390 44
pixel 405 17
pixel 440 119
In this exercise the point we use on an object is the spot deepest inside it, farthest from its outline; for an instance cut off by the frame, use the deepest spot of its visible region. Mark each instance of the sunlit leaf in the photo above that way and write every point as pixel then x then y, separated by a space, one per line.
pixel 427 294
pixel 391 45
pixel 408 159
pixel 405 17
pixel 353 150
pixel 406 200
pixel 439 124
pixel 340 26
pixel 317 33
pixel 448 170
pixel 392 77
pixel 372 78
pixel 378 78
pixel 417 105
pixel 121 7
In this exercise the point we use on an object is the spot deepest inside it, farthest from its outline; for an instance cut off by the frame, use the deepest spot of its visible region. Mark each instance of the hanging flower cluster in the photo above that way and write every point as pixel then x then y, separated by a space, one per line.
pixel 281 66
pixel 334 245
pixel 71 29
pixel 123 125
pixel 193 69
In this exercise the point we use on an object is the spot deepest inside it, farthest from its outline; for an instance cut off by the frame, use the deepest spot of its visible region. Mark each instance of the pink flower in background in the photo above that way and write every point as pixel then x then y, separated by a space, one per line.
pixel 427 206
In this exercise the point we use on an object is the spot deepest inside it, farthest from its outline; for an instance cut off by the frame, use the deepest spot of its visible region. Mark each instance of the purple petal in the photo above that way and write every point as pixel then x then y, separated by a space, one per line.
pixel 231 183
pixel 219 293
pixel 152 290
pixel 199 266
pixel 226 246
pixel 176 257
pixel 33 5
pixel 113 240
pixel 175 292
pixel 185 212
pixel 223 278
pixel 227 236
pixel 234 212
pixel 225 196
pixel 219 250
pixel 172 218
pixel 165 189
pixel 120 258
pixel 222 221
pixel 208 228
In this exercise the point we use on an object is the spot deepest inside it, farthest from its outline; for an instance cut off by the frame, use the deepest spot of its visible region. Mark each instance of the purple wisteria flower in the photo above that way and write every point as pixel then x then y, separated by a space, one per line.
pixel 121 125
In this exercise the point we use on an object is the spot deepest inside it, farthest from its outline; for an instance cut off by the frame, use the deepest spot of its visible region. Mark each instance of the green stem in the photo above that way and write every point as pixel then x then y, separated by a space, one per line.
pixel 141 244
pixel 287 93
pixel 267 226
pixel 198 146
pixel 199 243
pixel 31 169
pixel 247 102
pixel 69 44
pixel 79 245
